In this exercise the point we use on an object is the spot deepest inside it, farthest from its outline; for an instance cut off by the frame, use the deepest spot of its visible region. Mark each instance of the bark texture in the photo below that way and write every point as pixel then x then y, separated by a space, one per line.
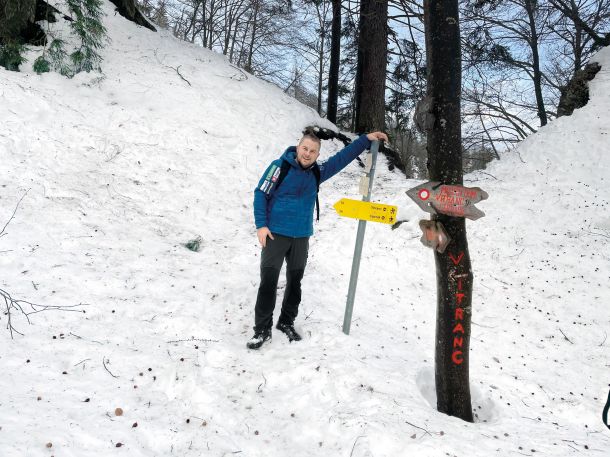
pixel 335 57
pixel 530 8
pixel 372 42
pixel 15 17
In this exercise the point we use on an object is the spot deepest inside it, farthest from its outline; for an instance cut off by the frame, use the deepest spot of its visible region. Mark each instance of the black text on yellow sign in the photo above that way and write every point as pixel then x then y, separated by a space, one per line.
pixel 366 211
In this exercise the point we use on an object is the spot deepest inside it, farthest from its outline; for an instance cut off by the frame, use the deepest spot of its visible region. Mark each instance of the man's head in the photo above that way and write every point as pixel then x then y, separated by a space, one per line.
pixel 308 150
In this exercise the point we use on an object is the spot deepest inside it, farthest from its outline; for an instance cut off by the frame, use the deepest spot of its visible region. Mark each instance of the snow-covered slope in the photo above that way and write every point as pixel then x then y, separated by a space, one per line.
pixel 117 172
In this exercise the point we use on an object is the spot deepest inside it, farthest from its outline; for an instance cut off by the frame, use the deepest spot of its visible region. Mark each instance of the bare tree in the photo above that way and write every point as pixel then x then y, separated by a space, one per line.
pixel 512 31
pixel 587 16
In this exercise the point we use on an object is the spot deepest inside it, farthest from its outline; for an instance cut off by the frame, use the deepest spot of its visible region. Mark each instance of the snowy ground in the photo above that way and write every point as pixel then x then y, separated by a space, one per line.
pixel 117 173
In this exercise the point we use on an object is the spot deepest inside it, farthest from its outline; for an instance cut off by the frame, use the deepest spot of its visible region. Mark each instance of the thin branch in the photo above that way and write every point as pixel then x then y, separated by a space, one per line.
pixel 104 363
pixel 82 361
pixel 13 305
pixel 354 446
pixel 262 384
pixel 201 340
pixel 416 426
pixel 14 212
pixel 84 339
pixel 179 74
pixel 564 335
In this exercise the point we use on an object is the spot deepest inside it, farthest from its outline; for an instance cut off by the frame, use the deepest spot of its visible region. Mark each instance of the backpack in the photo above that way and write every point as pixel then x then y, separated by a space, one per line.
pixel 285 168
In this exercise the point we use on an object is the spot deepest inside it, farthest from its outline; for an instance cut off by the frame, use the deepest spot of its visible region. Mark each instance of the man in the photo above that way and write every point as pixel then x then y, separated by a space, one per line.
pixel 283 212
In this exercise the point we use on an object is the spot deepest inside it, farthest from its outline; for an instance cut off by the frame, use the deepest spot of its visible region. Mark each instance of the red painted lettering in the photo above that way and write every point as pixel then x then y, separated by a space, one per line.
pixel 457 357
pixel 458 328
pixel 460 297
pixel 459 314
pixel 456 261
pixel 458 341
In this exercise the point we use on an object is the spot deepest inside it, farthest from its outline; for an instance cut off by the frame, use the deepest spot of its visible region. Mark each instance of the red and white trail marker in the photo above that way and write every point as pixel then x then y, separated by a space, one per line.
pixel 458 201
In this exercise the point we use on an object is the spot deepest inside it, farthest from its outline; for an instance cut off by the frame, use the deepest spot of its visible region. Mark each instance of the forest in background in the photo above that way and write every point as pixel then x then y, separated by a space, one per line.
pixel 518 57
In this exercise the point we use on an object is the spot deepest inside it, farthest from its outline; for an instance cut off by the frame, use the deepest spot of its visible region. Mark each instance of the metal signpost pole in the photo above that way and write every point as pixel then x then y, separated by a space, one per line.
pixel 353 280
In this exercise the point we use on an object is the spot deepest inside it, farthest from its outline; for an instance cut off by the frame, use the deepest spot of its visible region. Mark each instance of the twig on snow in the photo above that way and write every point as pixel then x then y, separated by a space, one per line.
pixel 14 212
pixel 596 234
pixel 484 326
pixel 183 78
pixel 488 174
pixel 416 426
pixel 176 69
pixel 12 305
pixel 354 446
pixel 77 364
pixel 262 384
pixel 602 343
pixel 243 74
pixel 516 255
pixel 104 363
pixel 84 339
pixel 201 340
pixel 564 335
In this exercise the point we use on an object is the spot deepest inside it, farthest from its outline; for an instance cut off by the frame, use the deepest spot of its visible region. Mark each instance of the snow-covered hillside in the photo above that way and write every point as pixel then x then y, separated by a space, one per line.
pixel 117 172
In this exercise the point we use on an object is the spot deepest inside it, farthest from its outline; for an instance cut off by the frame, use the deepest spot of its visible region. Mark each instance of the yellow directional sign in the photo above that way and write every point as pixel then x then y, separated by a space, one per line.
pixel 368 211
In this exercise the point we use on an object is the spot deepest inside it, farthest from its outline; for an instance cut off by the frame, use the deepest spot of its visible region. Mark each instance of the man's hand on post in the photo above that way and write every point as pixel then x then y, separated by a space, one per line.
pixel 262 234
pixel 377 136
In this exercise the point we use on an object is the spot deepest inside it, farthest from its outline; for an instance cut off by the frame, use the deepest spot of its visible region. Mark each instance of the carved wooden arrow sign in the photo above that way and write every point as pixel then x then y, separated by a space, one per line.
pixel 434 236
pixel 457 201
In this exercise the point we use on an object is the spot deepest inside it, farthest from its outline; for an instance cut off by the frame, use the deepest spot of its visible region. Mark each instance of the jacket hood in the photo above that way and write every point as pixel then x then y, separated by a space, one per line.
pixel 290 156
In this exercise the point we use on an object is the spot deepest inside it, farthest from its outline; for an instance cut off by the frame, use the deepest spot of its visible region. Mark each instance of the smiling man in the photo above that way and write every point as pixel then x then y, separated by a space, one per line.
pixel 284 202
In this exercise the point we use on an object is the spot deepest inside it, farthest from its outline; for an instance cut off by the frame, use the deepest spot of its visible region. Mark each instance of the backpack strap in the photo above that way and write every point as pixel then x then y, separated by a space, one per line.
pixel 316 172
pixel 285 168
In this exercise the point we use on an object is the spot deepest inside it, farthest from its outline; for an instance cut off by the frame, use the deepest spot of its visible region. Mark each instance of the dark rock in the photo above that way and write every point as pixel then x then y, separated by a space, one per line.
pixel 576 93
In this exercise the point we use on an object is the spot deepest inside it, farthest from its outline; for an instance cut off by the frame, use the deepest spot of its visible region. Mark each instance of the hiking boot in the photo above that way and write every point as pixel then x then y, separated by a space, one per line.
pixel 289 330
pixel 259 338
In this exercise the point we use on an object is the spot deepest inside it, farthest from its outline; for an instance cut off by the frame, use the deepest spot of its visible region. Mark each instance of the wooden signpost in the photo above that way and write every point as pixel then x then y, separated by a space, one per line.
pixel 457 201
pixel 434 236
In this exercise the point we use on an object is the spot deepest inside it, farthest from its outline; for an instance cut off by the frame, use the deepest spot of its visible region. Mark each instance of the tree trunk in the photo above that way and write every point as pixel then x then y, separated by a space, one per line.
pixel 18 21
pixel 129 10
pixel 453 270
pixel 335 57
pixel 372 54
pixel 248 66
pixel 578 36
pixel 530 7
pixel 321 70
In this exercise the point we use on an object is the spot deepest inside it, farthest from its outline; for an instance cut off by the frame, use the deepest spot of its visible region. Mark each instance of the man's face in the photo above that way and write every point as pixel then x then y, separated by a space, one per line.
pixel 308 152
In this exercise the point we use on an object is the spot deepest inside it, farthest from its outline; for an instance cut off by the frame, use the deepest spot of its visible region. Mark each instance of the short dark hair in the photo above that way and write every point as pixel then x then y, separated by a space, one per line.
pixel 310 134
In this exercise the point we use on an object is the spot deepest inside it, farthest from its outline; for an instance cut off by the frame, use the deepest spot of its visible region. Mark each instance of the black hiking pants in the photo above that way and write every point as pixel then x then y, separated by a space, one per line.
pixel 294 250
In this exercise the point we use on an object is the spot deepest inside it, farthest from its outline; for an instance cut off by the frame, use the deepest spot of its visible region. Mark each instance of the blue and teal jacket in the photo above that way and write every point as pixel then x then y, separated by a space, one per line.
pixel 288 210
